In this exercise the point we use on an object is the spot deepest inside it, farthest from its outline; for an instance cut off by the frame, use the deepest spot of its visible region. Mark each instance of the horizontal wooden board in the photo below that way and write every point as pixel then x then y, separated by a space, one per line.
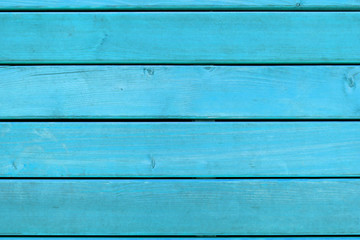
pixel 225 92
pixel 181 4
pixel 179 37
pixel 187 149
pixel 180 207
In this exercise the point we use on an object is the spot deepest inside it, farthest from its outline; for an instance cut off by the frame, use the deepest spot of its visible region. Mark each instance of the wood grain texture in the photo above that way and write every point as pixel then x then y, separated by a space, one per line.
pixel 180 207
pixel 181 4
pixel 179 92
pixel 187 149
pixel 180 37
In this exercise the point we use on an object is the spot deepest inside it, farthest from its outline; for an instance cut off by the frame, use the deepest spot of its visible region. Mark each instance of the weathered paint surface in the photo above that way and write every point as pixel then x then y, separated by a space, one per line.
pixel 232 92
pixel 179 37
pixel 244 149
pixel 180 207
pixel 180 4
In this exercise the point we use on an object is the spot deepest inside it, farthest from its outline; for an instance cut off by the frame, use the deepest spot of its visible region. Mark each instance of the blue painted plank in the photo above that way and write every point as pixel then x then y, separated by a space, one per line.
pixel 180 207
pixel 187 149
pixel 180 37
pixel 181 4
pixel 179 92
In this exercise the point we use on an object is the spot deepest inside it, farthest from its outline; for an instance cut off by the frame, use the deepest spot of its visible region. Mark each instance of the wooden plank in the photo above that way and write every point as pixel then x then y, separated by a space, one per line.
pixel 180 4
pixel 187 149
pixel 180 37
pixel 180 207
pixel 179 92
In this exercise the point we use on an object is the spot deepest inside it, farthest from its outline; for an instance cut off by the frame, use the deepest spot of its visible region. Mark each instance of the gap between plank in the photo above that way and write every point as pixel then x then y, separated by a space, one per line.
pixel 176 236
pixel 174 10
pixel 9 120
pixel 208 64
pixel 173 178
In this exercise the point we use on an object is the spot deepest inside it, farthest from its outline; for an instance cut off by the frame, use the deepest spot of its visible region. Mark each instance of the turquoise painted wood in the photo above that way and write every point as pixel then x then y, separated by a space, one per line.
pixel 148 180
pixel 180 207
pixel 187 149
pixel 180 37
pixel 181 4
pixel 179 92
